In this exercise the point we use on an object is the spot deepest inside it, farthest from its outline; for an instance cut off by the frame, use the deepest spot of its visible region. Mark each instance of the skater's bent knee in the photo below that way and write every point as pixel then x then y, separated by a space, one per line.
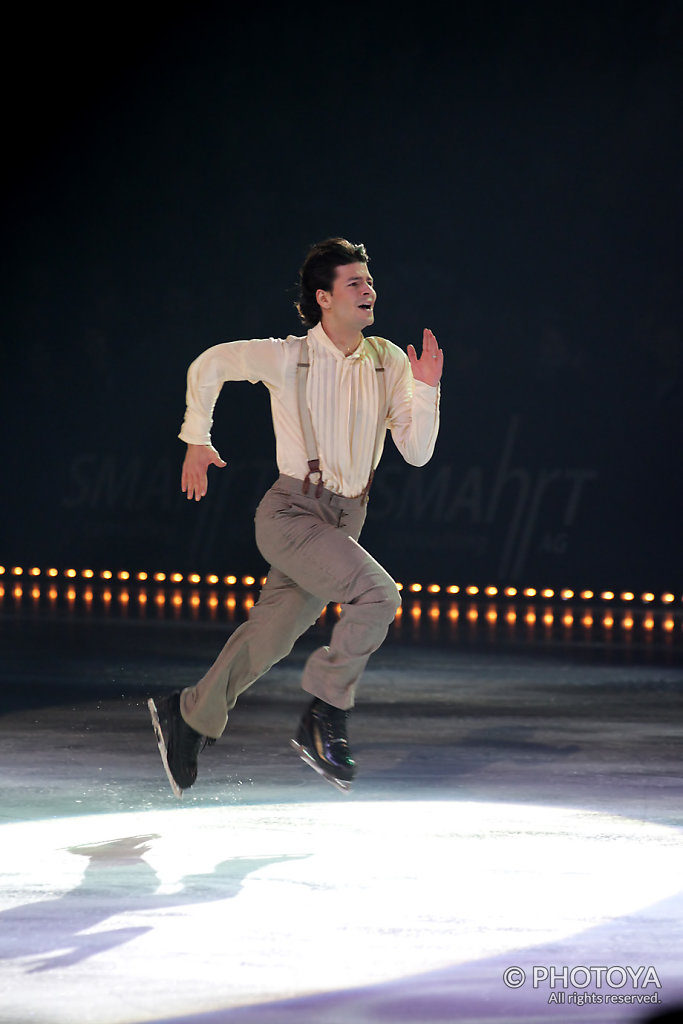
pixel 388 597
pixel 378 593
pixel 395 602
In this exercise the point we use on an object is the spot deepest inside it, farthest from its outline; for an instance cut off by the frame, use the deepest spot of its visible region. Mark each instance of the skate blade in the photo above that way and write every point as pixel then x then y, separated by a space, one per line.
pixel 161 743
pixel 340 784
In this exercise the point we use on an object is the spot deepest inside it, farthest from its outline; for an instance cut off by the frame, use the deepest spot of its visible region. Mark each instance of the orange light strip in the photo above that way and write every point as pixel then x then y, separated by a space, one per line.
pixel 667 597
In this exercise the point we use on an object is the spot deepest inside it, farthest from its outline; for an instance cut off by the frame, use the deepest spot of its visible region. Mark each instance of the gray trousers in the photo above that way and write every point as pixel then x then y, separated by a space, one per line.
pixel 312 547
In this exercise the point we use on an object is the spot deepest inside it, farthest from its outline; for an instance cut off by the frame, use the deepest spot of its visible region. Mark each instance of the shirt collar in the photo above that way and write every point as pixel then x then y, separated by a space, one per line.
pixel 318 334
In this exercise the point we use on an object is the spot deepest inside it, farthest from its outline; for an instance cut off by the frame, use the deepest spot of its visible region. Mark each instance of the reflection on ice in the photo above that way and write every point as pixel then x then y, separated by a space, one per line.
pixel 280 900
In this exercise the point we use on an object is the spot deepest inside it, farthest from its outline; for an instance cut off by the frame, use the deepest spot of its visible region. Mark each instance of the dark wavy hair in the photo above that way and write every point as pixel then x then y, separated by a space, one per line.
pixel 318 271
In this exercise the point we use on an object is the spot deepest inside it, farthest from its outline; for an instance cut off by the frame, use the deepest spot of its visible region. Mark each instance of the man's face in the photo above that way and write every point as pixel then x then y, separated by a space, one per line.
pixel 351 302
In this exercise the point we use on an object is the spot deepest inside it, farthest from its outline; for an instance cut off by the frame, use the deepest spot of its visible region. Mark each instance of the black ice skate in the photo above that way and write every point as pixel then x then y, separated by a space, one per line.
pixel 179 744
pixel 323 744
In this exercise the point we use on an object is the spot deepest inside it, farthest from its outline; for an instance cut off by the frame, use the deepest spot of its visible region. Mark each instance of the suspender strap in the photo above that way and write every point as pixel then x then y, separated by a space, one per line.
pixel 381 418
pixel 314 475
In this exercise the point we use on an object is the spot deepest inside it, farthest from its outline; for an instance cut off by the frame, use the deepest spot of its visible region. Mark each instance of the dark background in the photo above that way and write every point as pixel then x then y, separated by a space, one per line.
pixel 515 172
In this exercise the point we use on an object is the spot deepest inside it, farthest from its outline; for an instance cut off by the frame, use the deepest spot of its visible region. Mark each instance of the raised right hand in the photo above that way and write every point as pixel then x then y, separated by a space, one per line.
pixel 194 479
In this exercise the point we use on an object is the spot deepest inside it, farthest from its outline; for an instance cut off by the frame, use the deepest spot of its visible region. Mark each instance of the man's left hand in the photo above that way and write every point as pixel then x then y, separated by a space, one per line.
pixel 429 367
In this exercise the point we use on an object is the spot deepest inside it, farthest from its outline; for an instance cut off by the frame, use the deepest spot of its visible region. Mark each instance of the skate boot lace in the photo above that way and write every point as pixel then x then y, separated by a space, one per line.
pixel 334 724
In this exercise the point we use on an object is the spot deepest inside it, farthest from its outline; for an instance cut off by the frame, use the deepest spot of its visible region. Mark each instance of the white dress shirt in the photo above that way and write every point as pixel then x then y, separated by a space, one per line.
pixel 342 395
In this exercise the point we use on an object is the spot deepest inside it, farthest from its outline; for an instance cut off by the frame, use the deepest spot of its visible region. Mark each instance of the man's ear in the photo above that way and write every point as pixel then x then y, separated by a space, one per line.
pixel 323 298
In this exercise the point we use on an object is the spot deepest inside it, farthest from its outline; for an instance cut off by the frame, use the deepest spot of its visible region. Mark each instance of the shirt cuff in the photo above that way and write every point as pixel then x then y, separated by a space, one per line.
pixel 194 430
pixel 426 392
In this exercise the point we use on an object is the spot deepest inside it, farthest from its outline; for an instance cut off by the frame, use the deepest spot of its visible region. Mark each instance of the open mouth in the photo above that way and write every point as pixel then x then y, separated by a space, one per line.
pixel 365 305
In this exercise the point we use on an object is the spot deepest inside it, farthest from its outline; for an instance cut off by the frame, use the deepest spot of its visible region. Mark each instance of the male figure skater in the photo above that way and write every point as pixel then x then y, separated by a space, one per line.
pixel 333 394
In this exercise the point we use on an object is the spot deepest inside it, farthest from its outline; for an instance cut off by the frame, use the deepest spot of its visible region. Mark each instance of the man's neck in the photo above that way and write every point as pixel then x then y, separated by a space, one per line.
pixel 346 340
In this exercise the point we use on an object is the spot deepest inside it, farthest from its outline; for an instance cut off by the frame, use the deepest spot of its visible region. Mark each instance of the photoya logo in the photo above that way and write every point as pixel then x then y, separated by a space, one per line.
pixel 582 977
pixel 569 985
